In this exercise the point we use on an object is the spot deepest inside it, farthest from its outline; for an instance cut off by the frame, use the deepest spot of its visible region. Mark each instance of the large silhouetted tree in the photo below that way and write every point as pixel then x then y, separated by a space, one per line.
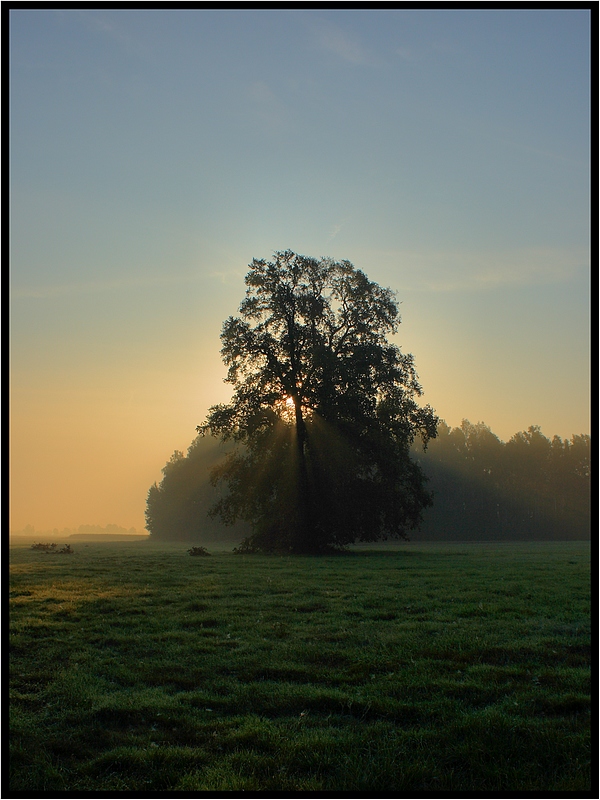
pixel 324 410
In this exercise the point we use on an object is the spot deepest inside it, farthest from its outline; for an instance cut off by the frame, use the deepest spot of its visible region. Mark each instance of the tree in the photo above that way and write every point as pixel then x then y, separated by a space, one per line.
pixel 323 411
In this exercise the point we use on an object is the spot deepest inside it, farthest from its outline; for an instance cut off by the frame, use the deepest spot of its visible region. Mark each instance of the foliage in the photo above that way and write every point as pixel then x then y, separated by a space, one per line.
pixel 51 548
pixel 135 669
pixel 325 407
pixel 530 487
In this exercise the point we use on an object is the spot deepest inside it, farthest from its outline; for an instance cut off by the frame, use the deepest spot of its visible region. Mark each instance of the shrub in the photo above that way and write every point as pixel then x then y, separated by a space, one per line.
pixel 245 547
pixel 198 551
pixel 45 547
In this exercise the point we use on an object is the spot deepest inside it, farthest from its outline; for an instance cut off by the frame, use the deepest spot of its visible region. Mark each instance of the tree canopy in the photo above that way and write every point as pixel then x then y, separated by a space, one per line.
pixel 324 410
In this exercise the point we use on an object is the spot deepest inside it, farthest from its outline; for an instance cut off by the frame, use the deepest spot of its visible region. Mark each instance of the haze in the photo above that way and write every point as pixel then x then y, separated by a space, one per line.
pixel 155 153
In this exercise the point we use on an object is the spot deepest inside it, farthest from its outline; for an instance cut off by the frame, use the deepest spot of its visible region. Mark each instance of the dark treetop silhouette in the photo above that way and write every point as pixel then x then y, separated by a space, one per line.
pixel 323 410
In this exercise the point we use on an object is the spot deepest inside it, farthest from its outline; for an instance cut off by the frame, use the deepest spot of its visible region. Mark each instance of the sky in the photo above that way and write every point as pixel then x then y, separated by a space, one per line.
pixel 155 153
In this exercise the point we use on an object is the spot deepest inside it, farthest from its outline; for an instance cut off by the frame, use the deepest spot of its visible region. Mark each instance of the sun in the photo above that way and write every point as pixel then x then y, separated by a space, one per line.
pixel 286 409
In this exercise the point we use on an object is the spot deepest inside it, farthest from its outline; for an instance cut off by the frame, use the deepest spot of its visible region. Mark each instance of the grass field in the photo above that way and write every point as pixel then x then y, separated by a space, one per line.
pixel 421 668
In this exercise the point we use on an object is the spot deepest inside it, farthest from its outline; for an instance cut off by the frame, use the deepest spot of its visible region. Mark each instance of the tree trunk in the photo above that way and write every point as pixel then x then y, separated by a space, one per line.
pixel 303 535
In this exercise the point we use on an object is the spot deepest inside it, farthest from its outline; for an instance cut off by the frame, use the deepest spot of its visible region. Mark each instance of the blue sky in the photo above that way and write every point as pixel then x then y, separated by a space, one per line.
pixel 155 153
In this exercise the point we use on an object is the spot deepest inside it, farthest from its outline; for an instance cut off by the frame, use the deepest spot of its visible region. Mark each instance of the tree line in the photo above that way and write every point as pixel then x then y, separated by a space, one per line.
pixel 530 487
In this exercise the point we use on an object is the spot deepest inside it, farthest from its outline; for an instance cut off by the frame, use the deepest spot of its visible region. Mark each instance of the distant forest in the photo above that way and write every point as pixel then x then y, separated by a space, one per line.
pixel 529 488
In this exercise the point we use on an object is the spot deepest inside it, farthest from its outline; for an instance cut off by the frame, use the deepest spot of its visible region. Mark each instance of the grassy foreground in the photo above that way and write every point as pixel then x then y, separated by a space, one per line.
pixel 423 668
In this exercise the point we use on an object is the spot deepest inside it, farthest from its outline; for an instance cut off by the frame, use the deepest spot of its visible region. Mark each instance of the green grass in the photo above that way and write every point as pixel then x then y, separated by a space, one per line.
pixel 424 668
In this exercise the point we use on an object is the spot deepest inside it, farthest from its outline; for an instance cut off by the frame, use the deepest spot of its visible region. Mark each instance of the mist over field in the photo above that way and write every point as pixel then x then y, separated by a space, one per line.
pixel 531 488
pixel 108 532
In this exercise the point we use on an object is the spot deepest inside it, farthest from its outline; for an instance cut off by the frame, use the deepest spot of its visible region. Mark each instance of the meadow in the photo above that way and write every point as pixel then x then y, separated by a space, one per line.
pixel 409 668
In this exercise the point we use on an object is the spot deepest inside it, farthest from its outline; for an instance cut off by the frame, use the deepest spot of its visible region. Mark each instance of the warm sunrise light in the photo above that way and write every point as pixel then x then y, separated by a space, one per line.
pixel 286 410
pixel 469 198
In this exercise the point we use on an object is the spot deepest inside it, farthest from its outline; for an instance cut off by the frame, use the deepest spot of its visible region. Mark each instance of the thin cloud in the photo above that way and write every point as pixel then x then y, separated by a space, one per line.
pixel 333 39
pixel 48 292
pixel 542 153
pixel 405 53
pixel 268 112
pixel 262 94
pixel 228 277
pixel 107 27
pixel 460 271
pixel 335 231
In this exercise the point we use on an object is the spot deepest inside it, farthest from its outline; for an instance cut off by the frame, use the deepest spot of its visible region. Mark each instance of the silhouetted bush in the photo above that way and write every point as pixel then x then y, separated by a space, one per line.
pixel 198 551
pixel 246 547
